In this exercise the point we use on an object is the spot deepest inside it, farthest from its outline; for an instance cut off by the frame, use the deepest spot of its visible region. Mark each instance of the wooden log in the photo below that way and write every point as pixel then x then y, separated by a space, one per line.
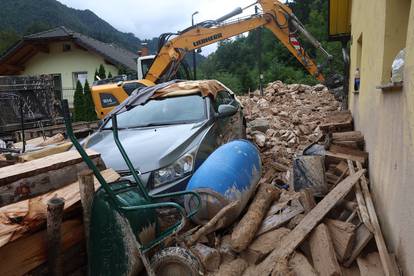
pixel 38 182
pixel 86 191
pixel 263 245
pixel 25 254
pixel 343 237
pixel 276 220
pixel 323 252
pixel 246 229
pixel 350 144
pixel 54 221
pixel 297 235
pixel 301 266
pixel 216 222
pixel 226 253
pixel 233 268
pixel 209 257
pixel 388 265
pixel 362 237
pixel 370 265
pixel 361 201
pixel 355 136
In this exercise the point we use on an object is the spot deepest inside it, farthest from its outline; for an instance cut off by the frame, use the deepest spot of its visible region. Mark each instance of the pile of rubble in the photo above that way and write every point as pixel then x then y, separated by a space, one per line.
pixel 286 120
pixel 312 213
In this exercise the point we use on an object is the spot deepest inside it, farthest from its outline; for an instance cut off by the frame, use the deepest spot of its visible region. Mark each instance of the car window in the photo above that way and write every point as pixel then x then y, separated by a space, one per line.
pixel 224 97
pixel 165 111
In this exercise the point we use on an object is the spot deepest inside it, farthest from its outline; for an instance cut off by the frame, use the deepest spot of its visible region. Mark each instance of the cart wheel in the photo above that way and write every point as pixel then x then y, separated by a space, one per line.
pixel 175 261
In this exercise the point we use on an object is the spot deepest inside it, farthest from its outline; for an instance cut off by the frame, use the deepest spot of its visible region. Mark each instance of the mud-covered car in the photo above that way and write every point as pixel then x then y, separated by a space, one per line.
pixel 168 136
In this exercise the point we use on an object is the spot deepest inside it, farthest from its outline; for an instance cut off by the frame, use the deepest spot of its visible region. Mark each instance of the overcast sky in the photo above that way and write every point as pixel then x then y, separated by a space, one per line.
pixel 147 19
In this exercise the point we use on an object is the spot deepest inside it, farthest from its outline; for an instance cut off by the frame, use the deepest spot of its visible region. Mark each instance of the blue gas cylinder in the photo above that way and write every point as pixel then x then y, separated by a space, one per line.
pixel 229 174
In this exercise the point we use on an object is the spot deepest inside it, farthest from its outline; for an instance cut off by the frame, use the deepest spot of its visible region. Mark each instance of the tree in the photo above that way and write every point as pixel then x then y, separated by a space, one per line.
pixel 102 72
pixel 7 39
pixel 109 75
pixel 95 77
pixel 89 107
pixel 78 103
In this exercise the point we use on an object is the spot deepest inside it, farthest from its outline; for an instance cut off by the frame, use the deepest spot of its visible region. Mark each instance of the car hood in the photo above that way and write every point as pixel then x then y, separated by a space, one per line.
pixel 149 148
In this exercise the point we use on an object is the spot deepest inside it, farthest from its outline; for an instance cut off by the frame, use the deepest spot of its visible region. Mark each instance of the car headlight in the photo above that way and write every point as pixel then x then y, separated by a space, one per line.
pixel 180 168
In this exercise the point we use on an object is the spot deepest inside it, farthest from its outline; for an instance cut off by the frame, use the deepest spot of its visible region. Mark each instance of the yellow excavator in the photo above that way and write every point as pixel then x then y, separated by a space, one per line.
pixel 274 15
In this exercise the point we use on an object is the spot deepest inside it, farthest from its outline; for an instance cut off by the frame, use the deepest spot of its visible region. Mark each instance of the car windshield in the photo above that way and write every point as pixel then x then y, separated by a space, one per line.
pixel 164 111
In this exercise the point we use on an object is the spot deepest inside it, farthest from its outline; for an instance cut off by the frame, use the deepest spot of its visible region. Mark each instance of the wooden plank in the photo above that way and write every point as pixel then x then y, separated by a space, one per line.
pixel 370 265
pixel 29 187
pixel 34 211
pixel 355 136
pixel 332 157
pixel 263 245
pixel 362 237
pixel 35 167
pixel 323 252
pixel 389 266
pixel 348 150
pixel 361 201
pixel 23 255
pixel 341 168
pixel 343 237
pixel 279 219
pixel 301 266
pixel 45 152
pixel 300 232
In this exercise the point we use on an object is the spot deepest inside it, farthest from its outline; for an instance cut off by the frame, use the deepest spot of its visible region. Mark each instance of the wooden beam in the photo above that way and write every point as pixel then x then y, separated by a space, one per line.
pixel 388 264
pixel 361 201
pixel 355 136
pixel 14 68
pixel 323 252
pixel 300 232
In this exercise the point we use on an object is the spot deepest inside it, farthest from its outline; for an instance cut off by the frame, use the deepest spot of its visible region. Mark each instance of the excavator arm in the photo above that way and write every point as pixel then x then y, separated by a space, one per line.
pixel 275 16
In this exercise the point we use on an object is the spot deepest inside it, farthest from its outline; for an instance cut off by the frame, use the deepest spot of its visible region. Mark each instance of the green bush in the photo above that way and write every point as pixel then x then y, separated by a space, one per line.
pixel 78 103
pixel 89 107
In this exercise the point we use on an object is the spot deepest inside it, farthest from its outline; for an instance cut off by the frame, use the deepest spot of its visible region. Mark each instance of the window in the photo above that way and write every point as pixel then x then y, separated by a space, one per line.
pixel 66 47
pixel 224 97
pixel 79 76
pixel 396 25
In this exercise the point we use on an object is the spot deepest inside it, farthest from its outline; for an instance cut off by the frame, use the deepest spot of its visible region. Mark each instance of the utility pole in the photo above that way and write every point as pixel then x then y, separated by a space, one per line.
pixel 259 54
pixel 194 52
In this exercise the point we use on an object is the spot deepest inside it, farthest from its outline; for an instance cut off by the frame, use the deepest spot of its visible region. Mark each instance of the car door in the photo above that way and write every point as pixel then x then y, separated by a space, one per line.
pixel 229 128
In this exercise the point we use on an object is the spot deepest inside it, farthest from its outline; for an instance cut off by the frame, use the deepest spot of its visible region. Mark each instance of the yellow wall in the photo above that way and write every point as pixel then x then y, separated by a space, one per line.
pixel 65 63
pixel 387 118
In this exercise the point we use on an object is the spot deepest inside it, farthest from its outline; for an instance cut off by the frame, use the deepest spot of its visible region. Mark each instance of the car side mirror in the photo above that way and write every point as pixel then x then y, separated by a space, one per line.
pixel 226 110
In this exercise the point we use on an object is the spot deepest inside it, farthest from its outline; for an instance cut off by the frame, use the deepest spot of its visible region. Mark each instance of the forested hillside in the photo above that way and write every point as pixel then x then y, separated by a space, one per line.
pixel 235 62
pixel 21 17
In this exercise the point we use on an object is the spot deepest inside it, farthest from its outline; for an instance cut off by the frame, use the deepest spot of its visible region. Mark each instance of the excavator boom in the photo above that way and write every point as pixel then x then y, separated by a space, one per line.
pixel 275 16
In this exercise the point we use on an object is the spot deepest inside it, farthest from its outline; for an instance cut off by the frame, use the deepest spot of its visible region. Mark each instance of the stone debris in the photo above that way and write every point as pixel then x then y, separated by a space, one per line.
pixel 286 119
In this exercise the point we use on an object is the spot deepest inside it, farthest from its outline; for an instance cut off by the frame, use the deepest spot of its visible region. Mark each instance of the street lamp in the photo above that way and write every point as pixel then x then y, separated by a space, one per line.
pixel 194 52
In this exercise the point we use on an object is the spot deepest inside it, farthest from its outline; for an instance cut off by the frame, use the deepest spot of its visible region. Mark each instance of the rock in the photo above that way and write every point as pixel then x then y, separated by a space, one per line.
pixel 319 87
pixel 262 104
pixel 259 124
pixel 260 139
